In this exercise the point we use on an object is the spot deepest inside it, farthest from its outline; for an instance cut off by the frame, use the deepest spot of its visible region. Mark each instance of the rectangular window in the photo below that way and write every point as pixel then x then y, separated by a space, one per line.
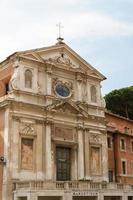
pixel 27 154
pixel 122 144
pixel 123 167
pixel 109 141
pixel 131 146
pixel 110 174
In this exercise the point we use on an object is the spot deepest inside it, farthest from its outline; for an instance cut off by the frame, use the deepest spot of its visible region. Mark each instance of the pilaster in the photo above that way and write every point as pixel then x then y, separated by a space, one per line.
pixel 48 151
pixel 79 87
pixel 80 154
pixel 39 151
pixel 48 83
pixel 6 187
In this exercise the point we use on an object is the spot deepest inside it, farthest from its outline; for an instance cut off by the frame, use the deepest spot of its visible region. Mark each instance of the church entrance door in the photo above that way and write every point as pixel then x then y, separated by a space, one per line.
pixel 63 162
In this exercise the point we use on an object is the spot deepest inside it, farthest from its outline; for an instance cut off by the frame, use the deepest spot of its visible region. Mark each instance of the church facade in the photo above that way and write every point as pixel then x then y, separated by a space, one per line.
pixel 53 128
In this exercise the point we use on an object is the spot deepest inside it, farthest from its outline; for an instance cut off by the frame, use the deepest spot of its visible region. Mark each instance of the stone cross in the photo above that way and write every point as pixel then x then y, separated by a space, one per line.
pixel 60 27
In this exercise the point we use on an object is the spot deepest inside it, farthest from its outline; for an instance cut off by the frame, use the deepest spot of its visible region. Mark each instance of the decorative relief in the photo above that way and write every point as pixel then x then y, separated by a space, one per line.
pixel 27 154
pixel 63 59
pixel 95 138
pixel 95 160
pixel 14 79
pixel 27 129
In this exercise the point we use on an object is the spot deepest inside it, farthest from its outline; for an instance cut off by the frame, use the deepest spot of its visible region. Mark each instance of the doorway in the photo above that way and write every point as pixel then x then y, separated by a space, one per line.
pixel 63 163
pixel 84 198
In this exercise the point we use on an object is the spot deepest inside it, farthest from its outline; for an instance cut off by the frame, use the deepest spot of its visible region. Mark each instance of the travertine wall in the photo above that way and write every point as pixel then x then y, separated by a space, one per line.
pixel 39 119
pixel 1 148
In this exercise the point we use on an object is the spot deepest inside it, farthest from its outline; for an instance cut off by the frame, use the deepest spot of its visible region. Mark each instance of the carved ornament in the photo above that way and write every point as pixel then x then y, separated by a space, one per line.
pixel 15 77
pixel 95 138
pixel 62 59
pixel 27 129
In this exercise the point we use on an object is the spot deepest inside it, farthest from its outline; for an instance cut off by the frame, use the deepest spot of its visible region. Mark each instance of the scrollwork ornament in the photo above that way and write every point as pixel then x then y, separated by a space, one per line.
pixel 15 77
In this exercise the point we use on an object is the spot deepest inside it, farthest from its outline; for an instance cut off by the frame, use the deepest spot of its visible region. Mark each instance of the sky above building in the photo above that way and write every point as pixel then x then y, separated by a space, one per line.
pixel 101 31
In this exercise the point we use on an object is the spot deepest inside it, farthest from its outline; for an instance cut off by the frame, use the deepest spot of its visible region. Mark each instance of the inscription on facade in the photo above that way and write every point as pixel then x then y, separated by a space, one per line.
pixel 85 193
pixel 64 133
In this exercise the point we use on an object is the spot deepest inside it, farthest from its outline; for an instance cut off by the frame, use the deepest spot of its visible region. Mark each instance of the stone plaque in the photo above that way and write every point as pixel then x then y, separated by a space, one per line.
pixel 27 154
pixel 64 133
pixel 85 193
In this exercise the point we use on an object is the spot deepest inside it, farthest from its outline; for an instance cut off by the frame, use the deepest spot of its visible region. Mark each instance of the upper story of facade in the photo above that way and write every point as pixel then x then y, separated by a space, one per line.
pixel 47 75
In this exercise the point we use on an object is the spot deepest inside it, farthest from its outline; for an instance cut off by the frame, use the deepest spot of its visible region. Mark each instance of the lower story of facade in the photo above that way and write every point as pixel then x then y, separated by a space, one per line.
pixel 83 190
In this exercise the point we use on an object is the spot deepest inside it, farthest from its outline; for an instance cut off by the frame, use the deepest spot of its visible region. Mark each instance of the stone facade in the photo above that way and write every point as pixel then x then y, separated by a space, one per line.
pixel 54 133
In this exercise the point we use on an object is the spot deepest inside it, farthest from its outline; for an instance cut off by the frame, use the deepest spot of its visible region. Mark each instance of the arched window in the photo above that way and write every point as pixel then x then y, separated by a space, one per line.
pixel 93 94
pixel 28 78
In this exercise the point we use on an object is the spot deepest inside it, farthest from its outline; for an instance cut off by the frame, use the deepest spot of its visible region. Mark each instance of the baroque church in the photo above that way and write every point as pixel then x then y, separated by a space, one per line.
pixel 53 135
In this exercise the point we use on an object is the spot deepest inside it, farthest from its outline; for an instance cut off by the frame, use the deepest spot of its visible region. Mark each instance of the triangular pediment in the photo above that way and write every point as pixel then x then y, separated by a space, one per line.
pixel 67 107
pixel 62 55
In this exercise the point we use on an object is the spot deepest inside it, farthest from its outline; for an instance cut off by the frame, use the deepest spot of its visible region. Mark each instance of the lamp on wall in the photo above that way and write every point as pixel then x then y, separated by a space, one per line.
pixel 2 160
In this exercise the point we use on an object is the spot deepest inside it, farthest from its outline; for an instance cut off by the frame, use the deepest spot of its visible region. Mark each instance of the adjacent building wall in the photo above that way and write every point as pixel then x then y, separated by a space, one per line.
pixel 120 128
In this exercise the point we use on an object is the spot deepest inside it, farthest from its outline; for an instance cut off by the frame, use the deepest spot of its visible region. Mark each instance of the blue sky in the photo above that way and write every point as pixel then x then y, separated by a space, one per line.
pixel 101 31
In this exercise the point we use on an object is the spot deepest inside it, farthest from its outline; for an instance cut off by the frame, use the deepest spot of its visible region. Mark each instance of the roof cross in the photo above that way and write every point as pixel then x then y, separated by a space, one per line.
pixel 60 27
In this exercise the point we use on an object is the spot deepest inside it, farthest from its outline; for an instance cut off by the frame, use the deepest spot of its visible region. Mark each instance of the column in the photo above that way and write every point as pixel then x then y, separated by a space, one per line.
pixel 87 154
pixel 48 151
pixel 32 196
pixel 124 197
pixel 6 187
pixel 80 154
pixel 74 163
pixel 100 196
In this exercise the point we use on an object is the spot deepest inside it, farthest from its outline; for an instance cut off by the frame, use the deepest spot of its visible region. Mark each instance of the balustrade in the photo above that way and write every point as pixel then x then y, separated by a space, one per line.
pixel 69 185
